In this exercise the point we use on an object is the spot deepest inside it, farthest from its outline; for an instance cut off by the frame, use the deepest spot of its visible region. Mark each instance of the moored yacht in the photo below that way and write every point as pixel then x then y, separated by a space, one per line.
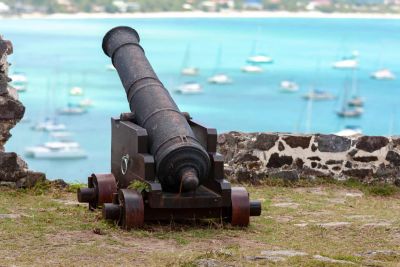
pixel 76 91
pixel 356 101
pixel 318 95
pixel 350 112
pixel 54 150
pixel 383 74
pixel 252 69
pixel 289 86
pixel 260 59
pixel 190 71
pixel 189 88
pixel 346 63
pixel 49 125
pixel 72 110
pixel 220 79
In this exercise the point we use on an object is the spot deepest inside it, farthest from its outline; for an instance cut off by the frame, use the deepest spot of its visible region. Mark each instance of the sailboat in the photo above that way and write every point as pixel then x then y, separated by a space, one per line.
pixel 187 69
pixel 356 100
pixel 346 110
pixel 219 77
pixel 56 150
pixel 315 94
pixel 349 62
pixel 76 91
pixel 252 69
pixel 72 109
pixel 289 86
pixel 383 74
pixel 189 88
pixel 258 58
pixel 49 125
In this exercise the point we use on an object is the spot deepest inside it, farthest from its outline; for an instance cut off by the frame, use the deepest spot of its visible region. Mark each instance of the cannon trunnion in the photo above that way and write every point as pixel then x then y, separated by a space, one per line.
pixel 164 165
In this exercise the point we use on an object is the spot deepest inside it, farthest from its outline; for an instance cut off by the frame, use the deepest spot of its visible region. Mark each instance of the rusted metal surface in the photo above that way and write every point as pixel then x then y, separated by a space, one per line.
pixel 172 142
pixel 240 207
pixel 164 150
pixel 132 209
pixel 100 190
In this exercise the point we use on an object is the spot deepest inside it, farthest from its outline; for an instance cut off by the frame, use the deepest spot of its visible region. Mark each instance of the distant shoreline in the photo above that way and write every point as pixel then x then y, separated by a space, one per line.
pixel 199 14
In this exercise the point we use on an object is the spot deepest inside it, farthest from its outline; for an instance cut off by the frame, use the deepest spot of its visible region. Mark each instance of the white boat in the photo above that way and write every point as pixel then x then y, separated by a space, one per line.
pixel 383 74
pixel 19 82
pixel 55 152
pixel 260 59
pixel 189 88
pixel 350 112
pixel 49 125
pixel 190 71
pixel 220 79
pixel 72 110
pixel 61 144
pixel 318 95
pixel 350 131
pixel 76 91
pixel 187 69
pixel 87 102
pixel 252 69
pixel 62 135
pixel 289 86
pixel 349 63
pixel 356 102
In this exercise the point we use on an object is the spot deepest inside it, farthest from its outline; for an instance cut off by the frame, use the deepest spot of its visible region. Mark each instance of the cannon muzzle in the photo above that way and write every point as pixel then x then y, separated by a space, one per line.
pixel 182 163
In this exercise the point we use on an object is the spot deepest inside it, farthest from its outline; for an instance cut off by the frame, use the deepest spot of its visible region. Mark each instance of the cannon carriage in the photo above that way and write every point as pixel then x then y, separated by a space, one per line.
pixel 171 159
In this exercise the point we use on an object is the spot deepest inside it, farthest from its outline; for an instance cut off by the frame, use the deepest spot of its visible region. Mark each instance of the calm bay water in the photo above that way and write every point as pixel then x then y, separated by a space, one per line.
pixel 59 54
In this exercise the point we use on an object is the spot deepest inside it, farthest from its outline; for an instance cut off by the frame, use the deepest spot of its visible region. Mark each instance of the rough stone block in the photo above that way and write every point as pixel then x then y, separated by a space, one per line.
pixel 297 141
pixel 358 173
pixel 277 161
pixel 11 109
pixel 265 141
pixel 332 143
pixel 289 175
pixel 393 158
pixel 371 143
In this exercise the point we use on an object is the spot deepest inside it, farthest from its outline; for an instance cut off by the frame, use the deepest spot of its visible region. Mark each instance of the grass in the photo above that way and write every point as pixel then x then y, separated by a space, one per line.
pixel 50 228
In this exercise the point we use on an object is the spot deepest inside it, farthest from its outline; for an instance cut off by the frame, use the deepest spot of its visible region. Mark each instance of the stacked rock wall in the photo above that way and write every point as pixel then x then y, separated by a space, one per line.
pixel 13 170
pixel 251 157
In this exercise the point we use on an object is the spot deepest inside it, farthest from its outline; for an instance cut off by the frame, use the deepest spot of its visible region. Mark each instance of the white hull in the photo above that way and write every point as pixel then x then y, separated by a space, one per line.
pixel 319 96
pixel 56 150
pixel 189 88
pixel 383 74
pixel 72 111
pixel 260 59
pixel 252 69
pixel 76 91
pixel 190 71
pixel 220 79
pixel 288 86
pixel 75 154
pixel 346 64
pixel 49 127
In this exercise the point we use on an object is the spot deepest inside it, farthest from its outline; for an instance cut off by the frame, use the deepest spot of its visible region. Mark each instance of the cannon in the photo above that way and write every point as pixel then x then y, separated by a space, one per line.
pixel 164 165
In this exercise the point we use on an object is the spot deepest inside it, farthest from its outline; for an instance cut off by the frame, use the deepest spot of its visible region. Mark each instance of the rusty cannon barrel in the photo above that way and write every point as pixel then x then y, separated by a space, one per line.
pixel 182 164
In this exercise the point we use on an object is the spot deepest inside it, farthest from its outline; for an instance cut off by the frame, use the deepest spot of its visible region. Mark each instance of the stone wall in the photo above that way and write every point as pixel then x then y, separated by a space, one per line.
pixel 251 157
pixel 13 170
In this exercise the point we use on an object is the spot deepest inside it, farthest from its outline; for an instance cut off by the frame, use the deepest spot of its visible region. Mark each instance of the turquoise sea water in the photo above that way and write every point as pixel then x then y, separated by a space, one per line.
pixel 59 54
